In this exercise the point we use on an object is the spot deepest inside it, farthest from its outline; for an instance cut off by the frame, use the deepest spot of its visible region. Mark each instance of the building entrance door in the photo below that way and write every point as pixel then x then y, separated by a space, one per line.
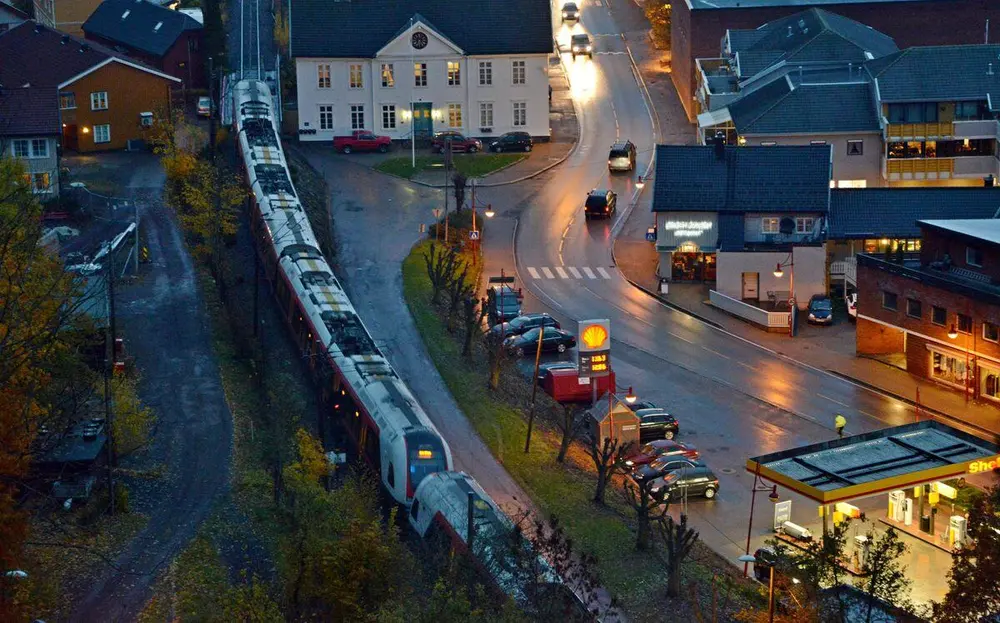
pixel 70 139
pixel 750 283
pixel 423 125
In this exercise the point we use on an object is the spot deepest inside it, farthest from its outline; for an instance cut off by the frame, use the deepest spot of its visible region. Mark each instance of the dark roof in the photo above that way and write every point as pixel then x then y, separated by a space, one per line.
pixel 731 232
pixel 133 23
pixel 29 111
pixel 780 178
pixel 13 10
pixel 360 28
pixel 893 212
pixel 939 72
pixel 782 107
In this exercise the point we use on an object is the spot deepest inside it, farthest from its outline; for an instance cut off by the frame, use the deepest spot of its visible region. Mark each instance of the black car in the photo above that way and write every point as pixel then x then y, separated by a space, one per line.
pixel 522 323
pixel 663 466
pixel 580 45
pixel 552 340
pixel 512 141
pixel 656 424
pixel 642 404
pixel 698 480
pixel 601 203
pixel 570 12
pixel 547 366
pixel 503 303
pixel 820 309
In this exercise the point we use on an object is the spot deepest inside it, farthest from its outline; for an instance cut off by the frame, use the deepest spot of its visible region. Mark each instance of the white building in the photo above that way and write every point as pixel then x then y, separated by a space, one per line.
pixel 431 65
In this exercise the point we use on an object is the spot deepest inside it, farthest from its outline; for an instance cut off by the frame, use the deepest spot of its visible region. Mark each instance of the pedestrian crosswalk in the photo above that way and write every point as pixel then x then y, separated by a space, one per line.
pixel 569 272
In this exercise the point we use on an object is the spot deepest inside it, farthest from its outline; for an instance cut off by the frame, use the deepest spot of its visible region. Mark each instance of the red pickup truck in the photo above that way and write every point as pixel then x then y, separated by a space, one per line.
pixel 361 140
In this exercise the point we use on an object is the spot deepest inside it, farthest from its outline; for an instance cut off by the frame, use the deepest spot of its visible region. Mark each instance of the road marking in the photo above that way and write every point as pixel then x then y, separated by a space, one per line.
pixel 603 272
pixel 562 273
pixel 597 2
pixel 590 274
pixel 548 273
pixel 746 365
pixel 715 352
pixel 835 401
pixel 576 274
pixel 683 339
pixel 534 273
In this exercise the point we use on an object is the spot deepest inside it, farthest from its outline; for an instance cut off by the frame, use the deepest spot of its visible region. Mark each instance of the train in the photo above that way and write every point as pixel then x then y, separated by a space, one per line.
pixel 385 422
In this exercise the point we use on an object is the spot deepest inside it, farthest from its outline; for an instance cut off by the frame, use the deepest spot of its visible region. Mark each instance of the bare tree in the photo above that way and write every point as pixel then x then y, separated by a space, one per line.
pixel 570 423
pixel 679 541
pixel 474 313
pixel 460 182
pixel 440 269
pixel 882 575
pixel 459 288
pixel 609 459
pixel 649 507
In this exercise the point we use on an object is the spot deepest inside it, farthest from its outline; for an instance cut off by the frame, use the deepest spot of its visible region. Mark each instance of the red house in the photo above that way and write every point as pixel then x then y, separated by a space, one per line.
pixel 161 38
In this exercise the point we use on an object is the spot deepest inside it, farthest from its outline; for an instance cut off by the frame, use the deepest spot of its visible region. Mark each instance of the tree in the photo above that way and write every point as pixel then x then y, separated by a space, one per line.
pixel 882 575
pixel 820 568
pixel 209 210
pixel 459 289
pixel 570 422
pixel 679 541
pixel 460 182
pixel 609 459
pixel 250 603
pixel 649 507
pixel 442 264
pixel 973 590
pixel 472 319
pixel 658 13
pixel 133 421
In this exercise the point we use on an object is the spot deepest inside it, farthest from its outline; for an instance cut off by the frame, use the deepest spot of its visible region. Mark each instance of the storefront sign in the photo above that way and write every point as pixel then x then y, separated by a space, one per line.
pixel 782 513
pixel 688 228
pixel 697 231
pixel 978 467
pixel 594 348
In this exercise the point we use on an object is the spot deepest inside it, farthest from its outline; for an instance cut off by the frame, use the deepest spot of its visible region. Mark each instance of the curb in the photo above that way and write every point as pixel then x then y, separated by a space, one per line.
pixel 657 297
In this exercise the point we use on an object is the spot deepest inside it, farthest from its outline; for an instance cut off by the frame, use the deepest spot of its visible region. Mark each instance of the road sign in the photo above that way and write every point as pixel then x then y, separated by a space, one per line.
pixel 782 513
pixel 437 212
pixel 474 234
pixel 651 234
pixel 594 348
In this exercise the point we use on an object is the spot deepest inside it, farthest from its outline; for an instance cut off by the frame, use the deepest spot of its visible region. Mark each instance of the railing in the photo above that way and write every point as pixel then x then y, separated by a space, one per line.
pixel 987 128
pixel 975 166
pixel 898 131
pixel 846 269
pixel 912 166
pixel 940 168
pixel 756 315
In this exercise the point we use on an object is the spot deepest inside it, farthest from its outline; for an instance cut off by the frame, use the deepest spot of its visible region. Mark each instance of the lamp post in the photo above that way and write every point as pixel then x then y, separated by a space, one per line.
pixel 746 559
pixel 792 307
pixel 488 213
pixel 953 334
pixel 772 496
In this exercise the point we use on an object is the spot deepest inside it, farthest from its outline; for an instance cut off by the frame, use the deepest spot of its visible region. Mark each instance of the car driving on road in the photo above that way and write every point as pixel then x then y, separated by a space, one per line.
pixel 570 12
pixel 523 323
pixel 621 156
pixel 553 340
pixel 600 203
pixel 580 45
pixel 820 309
pixel 655 450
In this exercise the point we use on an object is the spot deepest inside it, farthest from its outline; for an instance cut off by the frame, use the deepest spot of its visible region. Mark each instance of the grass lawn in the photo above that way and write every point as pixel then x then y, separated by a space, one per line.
pixel 472 165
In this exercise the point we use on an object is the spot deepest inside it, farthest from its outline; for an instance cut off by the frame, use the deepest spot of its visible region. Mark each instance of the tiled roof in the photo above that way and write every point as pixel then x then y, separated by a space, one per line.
pixel 893 212
pixel 731 232
pixel 139 25
pixel 9 8
pixel 779 178
pixel 939 73
pixel 29 111
pixel 784 108
pixel 360 28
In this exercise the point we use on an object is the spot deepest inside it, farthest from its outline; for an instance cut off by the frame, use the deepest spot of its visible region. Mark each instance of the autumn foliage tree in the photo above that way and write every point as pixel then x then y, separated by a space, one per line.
pixel 973 589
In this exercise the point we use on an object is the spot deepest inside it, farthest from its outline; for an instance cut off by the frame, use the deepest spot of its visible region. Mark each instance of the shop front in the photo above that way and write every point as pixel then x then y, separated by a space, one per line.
pixel 686 243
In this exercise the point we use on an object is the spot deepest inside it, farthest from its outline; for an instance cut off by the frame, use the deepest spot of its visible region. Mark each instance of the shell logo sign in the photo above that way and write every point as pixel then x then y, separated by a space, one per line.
pixel 594 336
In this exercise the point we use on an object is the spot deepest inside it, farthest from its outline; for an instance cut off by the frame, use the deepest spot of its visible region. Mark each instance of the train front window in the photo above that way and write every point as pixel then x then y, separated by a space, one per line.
pixel 425 460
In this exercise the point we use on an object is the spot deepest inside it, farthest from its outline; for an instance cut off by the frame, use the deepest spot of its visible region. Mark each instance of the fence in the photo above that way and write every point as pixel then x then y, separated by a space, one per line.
pixel 769 320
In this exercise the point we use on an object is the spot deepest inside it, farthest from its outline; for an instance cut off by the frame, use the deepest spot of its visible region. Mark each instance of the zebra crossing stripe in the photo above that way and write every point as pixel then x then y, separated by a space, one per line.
pixel 603 272
pixel 534 273
pixel 548 273
pixel 590 274
pixel 576 274
pixel 561 272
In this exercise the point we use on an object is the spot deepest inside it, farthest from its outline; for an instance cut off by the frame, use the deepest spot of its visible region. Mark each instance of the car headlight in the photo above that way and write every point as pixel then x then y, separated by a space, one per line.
pixel 629 463
pixel 565 14
pixel 588 48
pixel 812 316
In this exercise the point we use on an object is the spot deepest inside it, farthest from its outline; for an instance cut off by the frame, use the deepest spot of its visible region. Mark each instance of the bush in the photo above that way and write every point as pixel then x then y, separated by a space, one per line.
pixel 658 14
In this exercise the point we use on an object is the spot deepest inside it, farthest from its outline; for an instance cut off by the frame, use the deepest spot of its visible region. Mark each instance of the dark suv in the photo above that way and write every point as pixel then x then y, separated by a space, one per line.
pixel 523 324
pixel 621 157
pixel 512 141
pixel 656 424
pixel 602 203
pixel 692 482
pixel 580 45
pixel 503 303
pixel 459 142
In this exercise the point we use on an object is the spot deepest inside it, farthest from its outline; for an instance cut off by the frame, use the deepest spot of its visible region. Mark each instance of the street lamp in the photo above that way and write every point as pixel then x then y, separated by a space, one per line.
pixel 779 273
pixel 746 559
pixel 953 331
pixel 758 486
pixel 630 397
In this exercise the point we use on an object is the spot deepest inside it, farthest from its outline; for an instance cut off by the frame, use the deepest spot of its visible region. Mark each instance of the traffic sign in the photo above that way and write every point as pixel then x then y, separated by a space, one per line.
pixel 474 234
pixel 651 234
pixel 594 348
pixel 437 212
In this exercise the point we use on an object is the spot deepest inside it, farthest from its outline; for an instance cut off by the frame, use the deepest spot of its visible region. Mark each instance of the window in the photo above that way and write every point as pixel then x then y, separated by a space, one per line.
pixel 67 101
pixel 964 324
pixel 991 332
pixel 913 113
pixel 420 74
pixel 517 72
pixel 146 119
pixel 804 225
pixel 388 76
pixel 99 100
pixel 454 115
pixel 520 114
pixel 852 184
pixel 947 368
pixel 965 111
pixel 889 300
pixel 454 74
pixel 326 117
pixel 855 148
pixel 770 225
pixel 22 149
pixel 913 308
pixel 389 116
pixel 40 183
pixel 39 148
pixel 323 76
pixel 102 133
pixel 357 80
pixel 486 114
pixel 973 256
pixel 939 315
pixel 485 73
pixel 357 117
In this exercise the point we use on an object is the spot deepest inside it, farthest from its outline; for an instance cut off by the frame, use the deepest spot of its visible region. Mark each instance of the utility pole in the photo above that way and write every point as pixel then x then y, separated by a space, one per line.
pixel 109 362
pixel 211 108
pixel 135 247
pixel 256 289
pixel 534 387
pixel 447 174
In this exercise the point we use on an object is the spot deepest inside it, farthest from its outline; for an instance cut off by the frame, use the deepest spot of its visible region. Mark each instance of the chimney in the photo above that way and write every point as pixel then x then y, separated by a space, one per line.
pixel 720 146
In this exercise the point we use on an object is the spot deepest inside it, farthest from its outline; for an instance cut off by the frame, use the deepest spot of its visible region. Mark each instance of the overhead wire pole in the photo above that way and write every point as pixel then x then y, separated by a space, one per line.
pixel 413 119
pixel 242 28
pixel 109 354
pixel 260 75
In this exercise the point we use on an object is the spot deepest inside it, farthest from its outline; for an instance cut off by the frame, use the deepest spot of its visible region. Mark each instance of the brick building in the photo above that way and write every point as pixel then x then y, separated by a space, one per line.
pixel 698 26
pixel 941 311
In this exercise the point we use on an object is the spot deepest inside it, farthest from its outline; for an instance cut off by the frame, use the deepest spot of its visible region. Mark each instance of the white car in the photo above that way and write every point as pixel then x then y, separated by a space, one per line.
pixel 852 305
pixel 205 106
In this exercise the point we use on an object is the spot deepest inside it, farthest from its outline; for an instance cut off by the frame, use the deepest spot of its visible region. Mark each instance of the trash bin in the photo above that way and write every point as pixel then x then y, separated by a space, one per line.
pixel 664 286
pixel 925 523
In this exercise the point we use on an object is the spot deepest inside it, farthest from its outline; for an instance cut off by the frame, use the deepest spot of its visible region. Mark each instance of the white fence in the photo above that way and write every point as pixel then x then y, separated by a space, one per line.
pixel 846 270
pixel 756 315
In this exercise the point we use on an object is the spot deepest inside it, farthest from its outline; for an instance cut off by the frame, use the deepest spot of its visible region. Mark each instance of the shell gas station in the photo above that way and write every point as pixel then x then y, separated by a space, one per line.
pixel 907 477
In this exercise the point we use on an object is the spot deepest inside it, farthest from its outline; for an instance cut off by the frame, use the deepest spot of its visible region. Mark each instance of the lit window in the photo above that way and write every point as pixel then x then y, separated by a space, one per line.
pixel 357 117
pixel 99 100
pixel 389 117
pixel 326 117
pixel 40 183
pixel 485 73
pixel 454 73
pixel 517 73
pixel 420 74
pixel 388 76
pixel 454 115
pixel 486 114
pixel 357 80
pixel 323 76
pixel 770 225
pixel 102 133
pixel 520 114
pixel 804 225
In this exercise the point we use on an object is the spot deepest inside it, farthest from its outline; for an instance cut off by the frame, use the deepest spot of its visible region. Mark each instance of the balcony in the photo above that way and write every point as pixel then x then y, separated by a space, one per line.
pixel 913 131
pixel 717 83
pixel 975 166
pixel 940 168
pixel 988 128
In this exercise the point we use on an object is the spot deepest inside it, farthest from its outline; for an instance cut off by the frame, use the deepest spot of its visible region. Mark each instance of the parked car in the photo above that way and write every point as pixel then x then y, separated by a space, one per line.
pixel 654 450
pixel 524 322
pixel 642 404
pixel 621 156
pixel 570 12
pixel 820 309
pixel 205 107
pixel 547 367
pixel 512 141
pixel 656 424
pixel 695 481
pixel 600 202
pixel 580 45
pixel 503 303
pixel 361 140
pixel 662 467
pixel 459 142
pixel 552 340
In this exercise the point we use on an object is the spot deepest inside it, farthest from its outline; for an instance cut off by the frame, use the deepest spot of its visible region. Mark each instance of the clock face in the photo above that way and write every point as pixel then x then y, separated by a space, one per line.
pixel 419 40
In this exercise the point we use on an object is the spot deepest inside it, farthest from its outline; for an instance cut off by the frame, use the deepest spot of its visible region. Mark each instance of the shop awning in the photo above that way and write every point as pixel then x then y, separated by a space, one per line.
pixel 883 460
pixel 713 118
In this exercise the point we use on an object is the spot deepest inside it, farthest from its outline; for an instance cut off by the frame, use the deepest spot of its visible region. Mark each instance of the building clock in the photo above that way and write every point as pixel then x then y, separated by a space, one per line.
pixel 419 40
